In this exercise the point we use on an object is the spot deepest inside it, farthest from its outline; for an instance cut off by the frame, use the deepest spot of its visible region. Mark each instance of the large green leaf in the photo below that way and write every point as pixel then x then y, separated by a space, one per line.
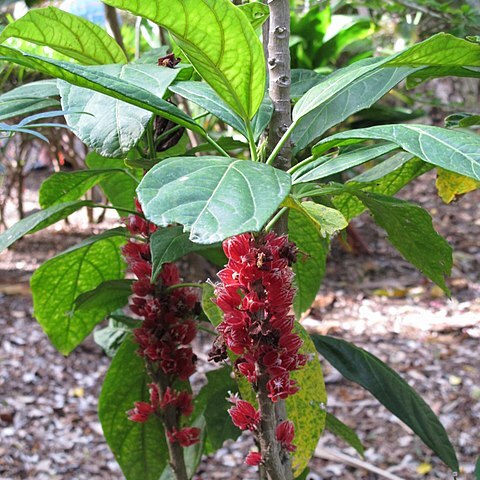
pixel 95 79
pixel 454 150
pixel 219 42
pixel 302 81
pixel 307 407
pixel 29 98
pixel 341 163
pixel 64 187
pixel 108 296
pixel 411 232
pixel 60 280
pixel 39 220
pixel 170 244
pixel 205 96
pixel 442 50
pixel 68 34
pixel 351 206
pixel 310 267
pixel 212 401
pixel 344 432
pixel 477 469
pixel 139 448
pixel 212 197
pixel 110 126
pixel 361 84
pixel 340 95
pixel 118 187
pixel 391 390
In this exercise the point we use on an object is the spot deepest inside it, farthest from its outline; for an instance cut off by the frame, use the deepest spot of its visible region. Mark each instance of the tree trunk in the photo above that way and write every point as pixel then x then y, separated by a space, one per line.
pixel 276 36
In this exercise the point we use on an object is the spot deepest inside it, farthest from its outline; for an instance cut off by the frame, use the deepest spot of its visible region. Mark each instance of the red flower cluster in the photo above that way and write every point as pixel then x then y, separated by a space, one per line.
pixel 256 295
pixel 167 330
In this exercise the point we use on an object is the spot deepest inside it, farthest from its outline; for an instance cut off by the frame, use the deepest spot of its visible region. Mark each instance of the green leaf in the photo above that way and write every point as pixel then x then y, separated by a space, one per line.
pixel 443 50
pixel 211 310
pixel 383 168
pixel 391 390
pixel 341 163
pixel 256 12
pixel 411 232
pixel 168 245
pixel 477 469
pixel 39 220
pixel 68 34
pixel 118 187
pixel 302 81
pixel 454 150
pixel 110 126
pixel 205 96
pixel 212 197
pixel 344 432
pixel 139 448
pixel 307 407
pixel 361 84
pixel 60 280
pixel 351 206
pixel 111 338
pixel 28 98
pixel 326 220
pixel 340 95
pixel 63 187
pixel 262 118
pixel 310 267
pixel 108 296
pixel 212 401
pixel 95 79
pixel 219 42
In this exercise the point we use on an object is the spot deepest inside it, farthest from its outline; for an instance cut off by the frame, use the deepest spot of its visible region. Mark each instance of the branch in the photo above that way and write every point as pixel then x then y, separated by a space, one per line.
pixel 112 20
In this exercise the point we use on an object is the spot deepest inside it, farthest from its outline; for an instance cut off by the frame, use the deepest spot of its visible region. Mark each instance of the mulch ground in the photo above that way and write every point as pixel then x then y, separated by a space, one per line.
pixel 49 427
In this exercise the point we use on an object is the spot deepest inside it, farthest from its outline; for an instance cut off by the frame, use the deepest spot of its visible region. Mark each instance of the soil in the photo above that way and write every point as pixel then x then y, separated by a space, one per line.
pixel 49 427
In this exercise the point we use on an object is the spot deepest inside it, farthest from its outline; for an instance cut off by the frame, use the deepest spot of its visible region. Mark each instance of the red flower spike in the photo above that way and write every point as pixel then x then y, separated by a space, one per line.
pixel 253 459
pixel 141 412
pixel 185 437
pixel 285 433
pixel 244 415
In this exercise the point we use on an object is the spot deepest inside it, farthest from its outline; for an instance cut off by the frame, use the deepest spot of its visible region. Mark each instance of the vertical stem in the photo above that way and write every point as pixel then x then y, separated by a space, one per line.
pixel 112 19
pixel 170 421
pixel 278 62
pixel 269 446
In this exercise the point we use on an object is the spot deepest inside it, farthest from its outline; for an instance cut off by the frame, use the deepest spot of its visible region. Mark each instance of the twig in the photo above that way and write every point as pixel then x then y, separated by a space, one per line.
pixel 334 456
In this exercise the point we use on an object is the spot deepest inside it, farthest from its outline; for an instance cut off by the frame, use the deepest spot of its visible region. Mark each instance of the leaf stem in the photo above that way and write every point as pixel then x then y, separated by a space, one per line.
pixel 215 145
pixel 251 141
pixel 111 207
pixel 280 144
pixel 301 164
pixel 274 220
pixel 184 285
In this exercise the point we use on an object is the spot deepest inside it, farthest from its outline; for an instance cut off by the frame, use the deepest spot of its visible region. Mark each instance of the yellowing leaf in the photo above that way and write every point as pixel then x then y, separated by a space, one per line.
pixel 424 468
pixel 450 185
